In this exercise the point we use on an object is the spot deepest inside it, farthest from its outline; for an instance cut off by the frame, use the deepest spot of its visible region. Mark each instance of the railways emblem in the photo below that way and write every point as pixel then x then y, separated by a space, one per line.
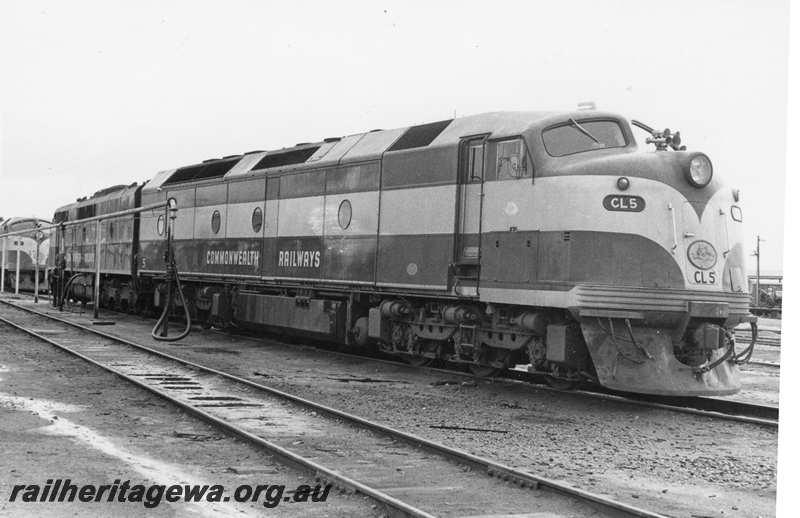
pixel 702 254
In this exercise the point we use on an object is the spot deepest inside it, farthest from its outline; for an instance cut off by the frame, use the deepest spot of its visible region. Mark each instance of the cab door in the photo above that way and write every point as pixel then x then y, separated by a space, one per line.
pixel 469 196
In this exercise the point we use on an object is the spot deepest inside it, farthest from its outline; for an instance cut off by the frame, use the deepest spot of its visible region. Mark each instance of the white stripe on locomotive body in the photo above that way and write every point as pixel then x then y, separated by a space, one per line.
pixel 271 218
pixel 418 211
pixel 239 221
pixel 364 219
pixel 184 219
pixel 471 223
pixel 301 217
pixel 202 222
pixel 148 225
pixel 553 203
pixel 25 245
pixel 575 203
pixel 551 298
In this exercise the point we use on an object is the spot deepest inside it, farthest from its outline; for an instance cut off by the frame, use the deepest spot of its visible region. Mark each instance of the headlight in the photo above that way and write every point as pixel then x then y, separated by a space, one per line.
pixel 699 171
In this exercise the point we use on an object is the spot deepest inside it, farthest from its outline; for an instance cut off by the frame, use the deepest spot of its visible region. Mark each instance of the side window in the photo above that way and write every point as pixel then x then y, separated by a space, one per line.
pixel 475 163
pixel 216 221
pixel 512 160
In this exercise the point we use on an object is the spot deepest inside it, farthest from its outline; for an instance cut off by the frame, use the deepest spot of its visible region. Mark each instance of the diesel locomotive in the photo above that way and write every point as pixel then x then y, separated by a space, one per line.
pixel 542 238
pixel 29 251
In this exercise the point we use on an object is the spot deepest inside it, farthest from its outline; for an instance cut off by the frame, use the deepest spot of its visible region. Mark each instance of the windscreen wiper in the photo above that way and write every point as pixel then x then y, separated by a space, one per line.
pixel 583 130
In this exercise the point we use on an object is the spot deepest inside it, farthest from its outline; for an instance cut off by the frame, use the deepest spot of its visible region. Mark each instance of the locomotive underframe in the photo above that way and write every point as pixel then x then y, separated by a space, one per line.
pixel 650 352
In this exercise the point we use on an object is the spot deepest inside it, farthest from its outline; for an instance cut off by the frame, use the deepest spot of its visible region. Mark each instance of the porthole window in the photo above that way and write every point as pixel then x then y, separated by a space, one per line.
pixel 345 214
pixel 160 225
pixel 257 220
pixel 215 222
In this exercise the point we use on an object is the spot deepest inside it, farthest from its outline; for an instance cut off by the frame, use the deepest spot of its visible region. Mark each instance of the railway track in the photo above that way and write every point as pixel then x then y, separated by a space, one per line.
pixel 764 363
pixel 408 475
pixel 711 407
pixel 765 337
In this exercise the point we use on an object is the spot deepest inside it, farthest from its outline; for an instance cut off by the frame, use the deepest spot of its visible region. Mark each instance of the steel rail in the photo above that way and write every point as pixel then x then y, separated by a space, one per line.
pixel 701 406
pixel 491 467
pixel 286 455
pixel 764 363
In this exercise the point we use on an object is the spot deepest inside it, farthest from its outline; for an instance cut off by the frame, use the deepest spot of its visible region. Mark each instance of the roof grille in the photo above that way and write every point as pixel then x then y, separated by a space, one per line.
pixel 108 190
pixel 202 171
pixel 295 156
pixel 420 136
pixel 87 211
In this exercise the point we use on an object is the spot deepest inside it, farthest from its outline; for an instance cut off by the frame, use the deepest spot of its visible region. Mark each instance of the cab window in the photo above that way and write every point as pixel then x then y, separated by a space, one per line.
pixel 577 136
pixel 512 160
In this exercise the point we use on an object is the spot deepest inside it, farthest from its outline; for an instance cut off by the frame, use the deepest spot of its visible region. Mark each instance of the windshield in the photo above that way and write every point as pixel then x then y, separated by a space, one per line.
pixel 582 135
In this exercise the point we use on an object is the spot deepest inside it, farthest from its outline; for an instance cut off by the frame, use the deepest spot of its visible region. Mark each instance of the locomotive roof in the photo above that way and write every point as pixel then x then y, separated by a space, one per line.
pixel 10 223
pixel 109 193
pixel 21 223
pixel 366 146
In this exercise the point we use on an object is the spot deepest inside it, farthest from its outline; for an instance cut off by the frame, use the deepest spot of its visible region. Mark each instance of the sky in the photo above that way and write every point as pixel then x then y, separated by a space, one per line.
pixel 101 93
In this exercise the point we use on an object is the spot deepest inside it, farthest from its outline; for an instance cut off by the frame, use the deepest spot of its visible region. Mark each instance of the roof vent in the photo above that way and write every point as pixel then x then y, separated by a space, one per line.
pixel 256 151
pixel 203 171
pixel 420 136
pixel 107 190
pixel 294 156
pixel 332 139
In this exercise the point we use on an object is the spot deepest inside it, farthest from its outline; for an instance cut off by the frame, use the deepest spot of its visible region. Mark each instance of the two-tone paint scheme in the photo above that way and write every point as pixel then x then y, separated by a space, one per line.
pixel 25 246
pixel 481 240
pixel 73 247
pixel 476 210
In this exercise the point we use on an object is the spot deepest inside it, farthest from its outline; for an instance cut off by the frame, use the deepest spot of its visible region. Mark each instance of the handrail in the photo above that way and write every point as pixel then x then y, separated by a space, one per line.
pixel 674 227
pixel 101 217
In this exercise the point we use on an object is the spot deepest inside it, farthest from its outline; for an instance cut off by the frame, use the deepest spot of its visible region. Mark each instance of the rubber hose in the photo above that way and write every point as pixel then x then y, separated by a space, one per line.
pixel 66 289
pixel 165 315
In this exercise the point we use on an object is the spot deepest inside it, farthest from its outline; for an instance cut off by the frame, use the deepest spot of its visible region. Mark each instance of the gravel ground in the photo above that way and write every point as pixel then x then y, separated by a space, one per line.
pixel 63 418
pixel 678 464
pixel 761 384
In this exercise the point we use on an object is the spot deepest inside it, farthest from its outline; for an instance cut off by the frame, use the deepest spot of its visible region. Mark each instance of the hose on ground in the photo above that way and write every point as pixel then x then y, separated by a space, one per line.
pixel 160 330
pixel 65 291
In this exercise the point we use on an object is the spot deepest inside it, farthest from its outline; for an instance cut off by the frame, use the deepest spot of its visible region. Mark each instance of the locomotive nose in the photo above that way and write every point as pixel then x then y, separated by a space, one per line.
pixel 689 172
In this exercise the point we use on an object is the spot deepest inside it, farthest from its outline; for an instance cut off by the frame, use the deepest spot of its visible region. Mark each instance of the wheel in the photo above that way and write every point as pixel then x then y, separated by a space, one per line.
pixel 560 384
pixel 483 371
